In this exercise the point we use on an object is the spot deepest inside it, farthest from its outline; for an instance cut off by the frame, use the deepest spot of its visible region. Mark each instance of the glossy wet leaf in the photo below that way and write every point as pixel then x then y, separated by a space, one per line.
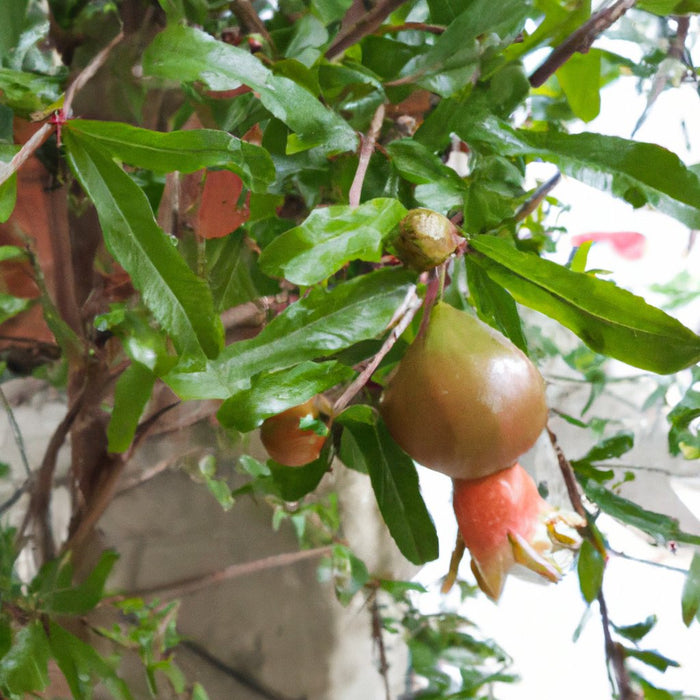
pixel 453 60
pixel 271 393
pixel 82 666
pixel 394 481
pixel 609 319
pixel 319 324
pixel 329 238
pixel 640 173
pixel 24 668
pixel 182 151
pixel 185 54
pixel 179 300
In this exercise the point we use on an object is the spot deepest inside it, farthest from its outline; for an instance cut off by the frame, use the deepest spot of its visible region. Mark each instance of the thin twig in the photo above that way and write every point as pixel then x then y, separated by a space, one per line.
pixel 193 584
pixel 616 656
pixel 250 21
pixel 366 151
pixel 26 152
pixel 40 500
pixel 88 73
pixel 569 476
pixel 535 199
pixel 16 432
pixel 378 638
pixel 45 130
pixel 366 24
pixel 402 320
pixel 580 40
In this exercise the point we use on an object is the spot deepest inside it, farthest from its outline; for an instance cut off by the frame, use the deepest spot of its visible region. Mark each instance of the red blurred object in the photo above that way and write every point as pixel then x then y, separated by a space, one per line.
pixel 627 244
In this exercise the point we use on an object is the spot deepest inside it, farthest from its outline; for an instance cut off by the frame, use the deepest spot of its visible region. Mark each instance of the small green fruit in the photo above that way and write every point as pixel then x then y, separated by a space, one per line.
pixel 425 239
pixel 464 401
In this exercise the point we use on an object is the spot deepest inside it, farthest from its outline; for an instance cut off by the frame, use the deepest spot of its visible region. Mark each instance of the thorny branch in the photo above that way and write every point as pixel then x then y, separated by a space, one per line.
pixel 580 41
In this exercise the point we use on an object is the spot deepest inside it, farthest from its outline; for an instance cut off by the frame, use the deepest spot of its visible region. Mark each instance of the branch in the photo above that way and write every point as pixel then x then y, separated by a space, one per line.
pixel 615 655
pixel 249 20
pixel 580 41
pixel 366 151
pixel 16 432
pixel 378 638
pixel 569 477
pixel 402 318
pixel 368 21
pixel 196 583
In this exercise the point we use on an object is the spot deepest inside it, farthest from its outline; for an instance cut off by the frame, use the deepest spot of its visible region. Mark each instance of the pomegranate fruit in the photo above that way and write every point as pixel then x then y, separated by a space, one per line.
pixel 424 239
pixel 504 521
pixel 286 441
pixel 464 400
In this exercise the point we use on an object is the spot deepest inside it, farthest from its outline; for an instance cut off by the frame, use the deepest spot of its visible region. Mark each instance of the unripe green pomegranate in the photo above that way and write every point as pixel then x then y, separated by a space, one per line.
pixel 424 239
pixel 286 441
pixel 464 400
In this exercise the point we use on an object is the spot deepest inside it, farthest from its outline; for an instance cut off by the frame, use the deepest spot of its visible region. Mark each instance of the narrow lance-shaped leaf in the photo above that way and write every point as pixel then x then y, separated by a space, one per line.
pixel 329 238
pixel 640 173
pixel 690 599
pixel 185 54
pixel 274 392
pixel 394 481
pixel 82 666
pixel 24 669
pixel 591 566
pixel 179 300
pixel 317 325
pixel 131 393
pixel 659 526
pixel 610 320
pixel 182 151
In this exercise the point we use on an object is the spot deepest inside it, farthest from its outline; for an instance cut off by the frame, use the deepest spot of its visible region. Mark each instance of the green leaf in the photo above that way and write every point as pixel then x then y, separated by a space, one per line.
pixel 28 92
pixel 579 78
pixel 609 448
pixel 131 394
pixel 271 393
pixel 690 599
pixel 638 631
pixel 347 572
pixel 659 526
pixel 24 669
pixel 590 567
pixel 185 54
pixel 11 306
pixel 670 7
pixel 493 304
pixel 233 273
pixel 329 238
pixel 317 325
pixel 183 151
pixel 8 189
pixel 651 658
pixel 439 186
pixel 610 320
pixel 395 483
pixel 293 483
pixel 682 437
pixel 82 665
pixel 179 300
pixel 59 595
pixel 454 58
pixel 640 173
pixel 198 692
